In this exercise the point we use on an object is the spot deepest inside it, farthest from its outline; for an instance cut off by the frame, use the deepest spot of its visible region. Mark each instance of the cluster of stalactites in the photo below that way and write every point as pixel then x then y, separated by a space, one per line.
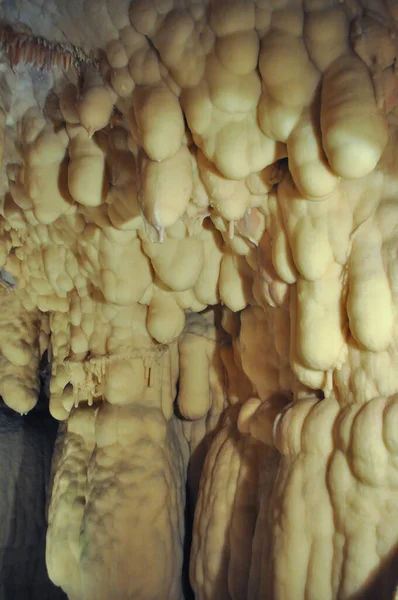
pixel 159 186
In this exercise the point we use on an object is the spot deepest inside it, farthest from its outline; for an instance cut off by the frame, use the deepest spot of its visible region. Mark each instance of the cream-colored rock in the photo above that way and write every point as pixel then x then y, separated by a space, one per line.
pixel 166 319
pixel 206 287
pixel 122 82
pixel 183 51
pixel 165 188
pixel 197 348
pixel 198 224
pixel 96 103
pixel 2 134
pixel 307 226
pixel 143 16
pixel 282 258
pixel 226 18
pixel 45 176
pixel 277 120
pixel 369 288
pixel 307 161
pixel 125 381
pixel 326 35
pixel 228 91
pixel 160 121
pixel 116 262
pixel 238 51
pixel 19 353
pixel 307 428
pixel 116 54
pixel 284 58
pixel 177 263
pixel 353 141
pixel 258 419
pixel 321 320
pixel 68 497
pixel 314 379
pixel 87 180
pixel 265 365
pixel 221 552
pixel 224 123
pixel 124 437
pixel 235 282
pixel 67 103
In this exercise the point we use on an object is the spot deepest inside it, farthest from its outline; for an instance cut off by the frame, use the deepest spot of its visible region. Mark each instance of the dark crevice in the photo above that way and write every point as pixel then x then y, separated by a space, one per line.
pixel 26 448
pixel 188 522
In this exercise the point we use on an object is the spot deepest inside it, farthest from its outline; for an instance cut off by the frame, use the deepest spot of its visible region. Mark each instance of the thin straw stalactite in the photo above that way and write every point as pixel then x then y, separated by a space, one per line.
pixel 22 48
